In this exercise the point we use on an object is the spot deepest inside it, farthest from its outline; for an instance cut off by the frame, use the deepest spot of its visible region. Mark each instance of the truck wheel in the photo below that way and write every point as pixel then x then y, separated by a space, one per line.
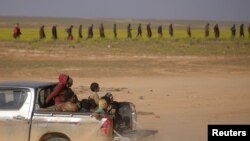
pixel 57 139
pixel 54 137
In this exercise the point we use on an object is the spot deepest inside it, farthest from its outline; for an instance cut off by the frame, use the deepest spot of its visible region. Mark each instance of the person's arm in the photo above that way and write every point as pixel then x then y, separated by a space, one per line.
pixel 113 111
pixel 115 106
pixel 55 92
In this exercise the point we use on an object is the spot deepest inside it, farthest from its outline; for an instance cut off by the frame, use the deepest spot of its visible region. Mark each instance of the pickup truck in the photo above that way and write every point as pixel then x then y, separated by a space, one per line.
pixel 21 119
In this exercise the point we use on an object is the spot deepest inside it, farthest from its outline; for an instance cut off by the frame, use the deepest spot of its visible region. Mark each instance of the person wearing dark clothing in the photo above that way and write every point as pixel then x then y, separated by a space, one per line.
pixel 16 31
pixel 114 31
pixel 171 30
pixel 70 103
pixel 54 32
pixel 58 93
pixel 233 31
pixel 159 31
pixel 149 31
pixel 69 32
pixel 249 30
pixel 80 31
pixel 189 31
pixel 216 31
pixel 42 33
pixel 207 30
pixel 129 31
pixel 90 32
pixel 88 105
pixel 242 30
pixel 139 31
pixel 101 31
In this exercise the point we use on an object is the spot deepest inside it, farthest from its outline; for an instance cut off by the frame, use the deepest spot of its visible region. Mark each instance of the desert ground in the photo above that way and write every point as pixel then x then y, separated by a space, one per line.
pixel 174 93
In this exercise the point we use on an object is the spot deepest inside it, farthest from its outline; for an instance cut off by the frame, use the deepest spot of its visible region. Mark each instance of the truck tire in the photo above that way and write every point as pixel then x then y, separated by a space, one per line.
pixel 57 139
pixel 54 137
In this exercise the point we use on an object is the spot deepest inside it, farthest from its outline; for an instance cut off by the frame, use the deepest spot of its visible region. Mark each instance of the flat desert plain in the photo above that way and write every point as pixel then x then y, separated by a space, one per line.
pixel 176 95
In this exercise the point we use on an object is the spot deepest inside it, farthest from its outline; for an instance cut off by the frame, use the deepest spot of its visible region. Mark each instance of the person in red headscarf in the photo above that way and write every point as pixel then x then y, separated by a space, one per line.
pixel 16 31
pixel 59 91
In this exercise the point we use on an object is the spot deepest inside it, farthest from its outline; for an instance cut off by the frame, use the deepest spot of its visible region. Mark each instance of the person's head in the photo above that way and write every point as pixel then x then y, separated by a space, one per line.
pixel 69 95
pixel 69 82
pixel 103 104
pixel 94 87
pixel 110 97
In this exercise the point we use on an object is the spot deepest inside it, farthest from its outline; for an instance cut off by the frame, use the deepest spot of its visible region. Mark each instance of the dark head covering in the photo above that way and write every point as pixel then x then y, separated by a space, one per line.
pixel 68 94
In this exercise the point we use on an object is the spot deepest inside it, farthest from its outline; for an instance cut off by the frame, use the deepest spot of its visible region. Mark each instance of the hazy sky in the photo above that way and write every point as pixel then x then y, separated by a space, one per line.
pixel 229 10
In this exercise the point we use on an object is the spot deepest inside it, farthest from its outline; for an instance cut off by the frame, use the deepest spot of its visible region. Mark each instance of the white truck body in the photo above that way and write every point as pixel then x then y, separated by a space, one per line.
pixel 19 120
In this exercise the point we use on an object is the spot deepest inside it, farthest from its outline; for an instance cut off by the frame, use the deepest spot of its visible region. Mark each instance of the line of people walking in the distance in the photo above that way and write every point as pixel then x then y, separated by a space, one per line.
pixel 17 31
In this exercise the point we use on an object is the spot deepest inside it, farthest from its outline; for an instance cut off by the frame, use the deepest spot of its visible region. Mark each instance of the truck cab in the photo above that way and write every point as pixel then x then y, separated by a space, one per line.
pixel 17 101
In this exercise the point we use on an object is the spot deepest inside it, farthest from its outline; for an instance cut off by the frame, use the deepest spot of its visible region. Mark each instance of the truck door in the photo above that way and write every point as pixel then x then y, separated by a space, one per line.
pixel 15 112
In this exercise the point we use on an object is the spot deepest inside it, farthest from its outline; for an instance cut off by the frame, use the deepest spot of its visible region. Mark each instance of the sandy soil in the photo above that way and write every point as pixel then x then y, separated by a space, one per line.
pixel 178 103
pixel 180 108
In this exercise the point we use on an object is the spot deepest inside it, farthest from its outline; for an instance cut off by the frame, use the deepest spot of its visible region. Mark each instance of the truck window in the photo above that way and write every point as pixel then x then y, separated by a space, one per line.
pixel 12 99
pixel 42 95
